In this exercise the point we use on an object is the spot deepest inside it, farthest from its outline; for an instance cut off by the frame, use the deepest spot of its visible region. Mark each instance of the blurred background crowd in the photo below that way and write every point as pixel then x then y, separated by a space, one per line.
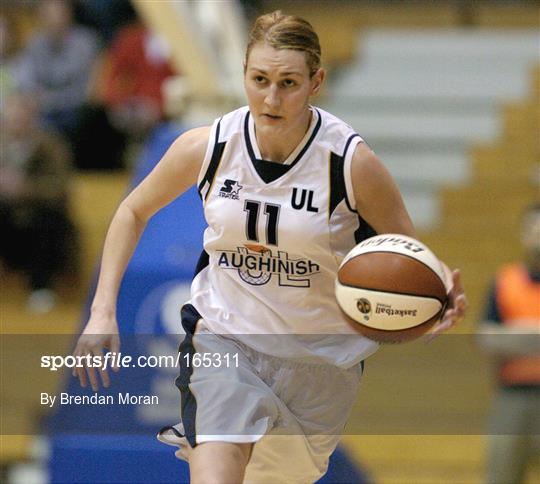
pixel 81 89
pixel 446 92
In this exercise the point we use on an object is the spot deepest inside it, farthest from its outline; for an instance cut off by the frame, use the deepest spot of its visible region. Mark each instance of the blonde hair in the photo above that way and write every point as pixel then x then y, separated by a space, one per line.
pixel 282 31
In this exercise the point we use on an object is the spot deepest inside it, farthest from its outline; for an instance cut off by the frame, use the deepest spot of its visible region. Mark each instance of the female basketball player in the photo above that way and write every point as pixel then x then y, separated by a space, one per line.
pixel 288 190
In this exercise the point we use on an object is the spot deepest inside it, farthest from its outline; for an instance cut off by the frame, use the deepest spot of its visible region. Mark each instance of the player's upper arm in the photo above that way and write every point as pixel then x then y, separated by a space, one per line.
pixel 173 175
pixel 377 196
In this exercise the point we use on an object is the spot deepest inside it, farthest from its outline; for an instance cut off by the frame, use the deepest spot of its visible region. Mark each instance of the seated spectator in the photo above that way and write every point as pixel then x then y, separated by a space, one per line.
pixel 34 178
pixel 104 16
pixel 9 57
pixel 57 65
pixel 131 85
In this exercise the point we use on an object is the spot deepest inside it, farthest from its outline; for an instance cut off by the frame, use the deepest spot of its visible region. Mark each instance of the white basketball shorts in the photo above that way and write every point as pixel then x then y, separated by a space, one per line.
pixel 294 412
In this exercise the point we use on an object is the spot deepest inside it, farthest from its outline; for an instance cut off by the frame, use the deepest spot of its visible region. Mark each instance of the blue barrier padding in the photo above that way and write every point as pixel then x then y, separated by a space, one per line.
pixel 142 459
pixel 87 439
pixel 79 458
pixel 343 470
pixel 114 459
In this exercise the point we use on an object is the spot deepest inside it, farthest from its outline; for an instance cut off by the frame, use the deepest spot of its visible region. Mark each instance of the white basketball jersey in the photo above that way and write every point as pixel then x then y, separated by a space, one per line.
pixel 275 238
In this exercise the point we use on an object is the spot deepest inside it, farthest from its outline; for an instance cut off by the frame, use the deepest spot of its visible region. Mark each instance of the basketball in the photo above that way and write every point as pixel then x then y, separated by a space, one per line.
pixel 391 288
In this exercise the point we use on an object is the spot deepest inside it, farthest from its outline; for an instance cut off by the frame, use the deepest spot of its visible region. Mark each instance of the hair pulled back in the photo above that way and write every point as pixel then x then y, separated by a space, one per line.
pixel 282 31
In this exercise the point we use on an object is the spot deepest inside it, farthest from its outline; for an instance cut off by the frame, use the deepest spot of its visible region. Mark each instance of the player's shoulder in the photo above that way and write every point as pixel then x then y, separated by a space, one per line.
pixel 191 144
pixel 197 136
pixel 335 134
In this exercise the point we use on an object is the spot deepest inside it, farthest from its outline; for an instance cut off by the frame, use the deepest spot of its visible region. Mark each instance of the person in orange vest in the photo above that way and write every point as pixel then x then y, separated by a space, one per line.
pixel 511 333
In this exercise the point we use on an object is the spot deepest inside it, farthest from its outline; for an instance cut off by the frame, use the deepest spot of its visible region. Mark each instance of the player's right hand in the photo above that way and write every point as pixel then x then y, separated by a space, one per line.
pixel 99 334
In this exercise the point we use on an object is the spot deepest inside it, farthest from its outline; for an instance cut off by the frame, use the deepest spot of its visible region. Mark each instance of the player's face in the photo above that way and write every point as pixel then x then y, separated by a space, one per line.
pixel 278 87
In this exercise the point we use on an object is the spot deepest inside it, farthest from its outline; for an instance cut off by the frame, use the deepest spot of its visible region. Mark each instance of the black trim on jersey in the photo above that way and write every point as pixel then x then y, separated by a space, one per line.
pixel 364 231
pixel 190 317
pixel 337 182
pixel 344 155
pixel 249 146
pixel 338 189
pixel 217 153
pixel 348 143
pixel 203 262
pixel 270 171
pixel 311 138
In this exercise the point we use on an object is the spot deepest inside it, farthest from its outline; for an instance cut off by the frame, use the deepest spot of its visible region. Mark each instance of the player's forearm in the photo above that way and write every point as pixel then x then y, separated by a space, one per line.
pixel 504 341
pixel 122 238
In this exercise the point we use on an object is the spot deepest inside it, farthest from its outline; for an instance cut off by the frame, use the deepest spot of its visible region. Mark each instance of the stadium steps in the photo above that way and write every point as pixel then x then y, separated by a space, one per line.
pixel 486 213
pixel 481 223
pixel 426 96
pixel 338 26
pixel 473 202
pixel 493 162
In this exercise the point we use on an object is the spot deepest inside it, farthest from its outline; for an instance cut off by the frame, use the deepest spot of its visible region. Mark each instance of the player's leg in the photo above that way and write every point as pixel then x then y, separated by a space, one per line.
pixel 282 458
pixel 316 400
pixel 224 398
pixel 218 462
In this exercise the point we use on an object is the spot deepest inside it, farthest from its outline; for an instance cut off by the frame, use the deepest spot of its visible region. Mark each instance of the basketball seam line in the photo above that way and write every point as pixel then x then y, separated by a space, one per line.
pixel 392 292
pixel 409 257
pixel 438 315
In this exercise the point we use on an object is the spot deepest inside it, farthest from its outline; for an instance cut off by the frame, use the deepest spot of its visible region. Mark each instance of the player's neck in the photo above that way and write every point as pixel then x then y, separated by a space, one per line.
pixel 277 147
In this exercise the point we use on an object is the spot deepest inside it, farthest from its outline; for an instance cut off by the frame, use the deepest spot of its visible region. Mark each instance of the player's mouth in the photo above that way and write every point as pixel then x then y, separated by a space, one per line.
pixel 272 116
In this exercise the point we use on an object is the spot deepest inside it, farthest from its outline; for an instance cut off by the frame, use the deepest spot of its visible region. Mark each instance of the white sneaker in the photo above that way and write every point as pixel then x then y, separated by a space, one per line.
pixel 41 301
pixel 174 435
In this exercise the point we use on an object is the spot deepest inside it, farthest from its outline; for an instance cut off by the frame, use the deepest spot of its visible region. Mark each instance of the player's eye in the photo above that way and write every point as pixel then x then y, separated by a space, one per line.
pixel 288 83
pixel 259 79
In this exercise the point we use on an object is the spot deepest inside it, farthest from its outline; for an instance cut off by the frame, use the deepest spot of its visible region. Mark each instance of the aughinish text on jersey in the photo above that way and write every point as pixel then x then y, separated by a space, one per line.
pixel 266 262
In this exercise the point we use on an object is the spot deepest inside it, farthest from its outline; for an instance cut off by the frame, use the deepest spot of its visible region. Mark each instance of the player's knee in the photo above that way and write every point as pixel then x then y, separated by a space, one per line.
pixel 219 463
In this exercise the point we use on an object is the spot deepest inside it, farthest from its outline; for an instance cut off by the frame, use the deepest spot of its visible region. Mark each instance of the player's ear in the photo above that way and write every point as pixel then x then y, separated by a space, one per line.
pixel 317 80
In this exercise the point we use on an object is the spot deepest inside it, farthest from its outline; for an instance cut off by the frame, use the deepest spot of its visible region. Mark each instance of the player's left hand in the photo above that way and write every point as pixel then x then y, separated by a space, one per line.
pixel 457 307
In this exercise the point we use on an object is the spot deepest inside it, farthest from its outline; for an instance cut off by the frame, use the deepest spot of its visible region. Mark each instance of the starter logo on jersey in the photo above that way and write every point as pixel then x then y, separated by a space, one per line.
pixel 256 265
pixel 230 189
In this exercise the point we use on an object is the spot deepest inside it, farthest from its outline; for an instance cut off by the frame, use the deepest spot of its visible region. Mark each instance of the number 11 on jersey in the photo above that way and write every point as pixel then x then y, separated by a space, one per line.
pixel 271 211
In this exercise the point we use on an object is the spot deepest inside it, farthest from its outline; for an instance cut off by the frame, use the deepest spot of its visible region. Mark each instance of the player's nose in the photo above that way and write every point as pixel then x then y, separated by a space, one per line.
pixel 272 99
